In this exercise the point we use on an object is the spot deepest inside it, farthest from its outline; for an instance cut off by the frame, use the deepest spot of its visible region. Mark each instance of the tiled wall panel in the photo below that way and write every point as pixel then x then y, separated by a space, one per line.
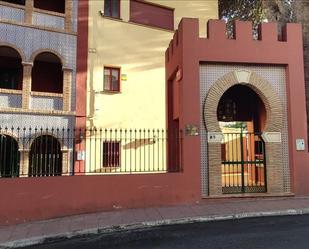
pixel 11 14
pixel 35 122
pixel 75 15
pixel 46 20
pixel 46 103
pixel 10 100
pixel 275 75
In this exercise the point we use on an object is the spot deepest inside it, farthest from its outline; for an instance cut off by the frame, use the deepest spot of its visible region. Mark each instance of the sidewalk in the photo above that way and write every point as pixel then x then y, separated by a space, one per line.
pixel 219 209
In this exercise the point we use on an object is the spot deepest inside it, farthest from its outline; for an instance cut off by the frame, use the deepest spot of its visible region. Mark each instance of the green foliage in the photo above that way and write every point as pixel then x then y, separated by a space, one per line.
pixel 280 11
pixel 237 124
pixel 246 10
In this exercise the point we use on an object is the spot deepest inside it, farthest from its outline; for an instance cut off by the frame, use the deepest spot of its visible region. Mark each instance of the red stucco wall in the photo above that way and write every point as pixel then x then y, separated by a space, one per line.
pixel 27 199
pixel 187 50
pixel 82 60
pixel 81 75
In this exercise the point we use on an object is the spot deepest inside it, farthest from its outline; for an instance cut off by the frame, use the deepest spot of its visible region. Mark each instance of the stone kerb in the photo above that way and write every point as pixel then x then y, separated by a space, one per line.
pixel 274 124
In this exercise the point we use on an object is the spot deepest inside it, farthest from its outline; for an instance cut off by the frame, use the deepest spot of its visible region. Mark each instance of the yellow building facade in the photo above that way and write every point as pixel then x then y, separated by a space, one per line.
pixel 138 50
pixel 127 42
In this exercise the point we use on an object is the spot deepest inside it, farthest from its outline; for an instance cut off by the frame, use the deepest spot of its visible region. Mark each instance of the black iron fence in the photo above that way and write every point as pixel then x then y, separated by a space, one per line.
pixel 40 152
pixel 243 163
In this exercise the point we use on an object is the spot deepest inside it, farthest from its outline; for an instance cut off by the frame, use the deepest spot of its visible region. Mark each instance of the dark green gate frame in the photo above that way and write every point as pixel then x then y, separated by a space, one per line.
pixel 243 153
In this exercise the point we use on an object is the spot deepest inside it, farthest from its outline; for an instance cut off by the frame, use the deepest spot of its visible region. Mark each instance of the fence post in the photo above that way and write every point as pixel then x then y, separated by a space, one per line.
pixel 65 162
pixel 24 163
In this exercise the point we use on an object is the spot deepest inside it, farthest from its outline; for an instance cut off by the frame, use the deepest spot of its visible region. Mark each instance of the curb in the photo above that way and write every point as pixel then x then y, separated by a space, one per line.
pixel 144 225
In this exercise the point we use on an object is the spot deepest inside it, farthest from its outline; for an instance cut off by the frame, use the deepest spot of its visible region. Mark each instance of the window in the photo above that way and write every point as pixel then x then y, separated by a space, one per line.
pixel 111 79
pixel 50 5
pixel 111 154
pixel 20 2
pixel 10 78
pixel 47 74
pixel 112 8
pixel 151 14
pixel 11 70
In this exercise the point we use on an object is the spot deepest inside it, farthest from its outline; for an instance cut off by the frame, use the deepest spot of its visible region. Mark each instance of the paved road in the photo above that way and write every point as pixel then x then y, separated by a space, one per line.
pixel 272 232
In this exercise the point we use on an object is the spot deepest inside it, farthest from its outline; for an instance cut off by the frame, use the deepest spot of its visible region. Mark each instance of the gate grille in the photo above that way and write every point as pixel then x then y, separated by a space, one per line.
pixel 243 163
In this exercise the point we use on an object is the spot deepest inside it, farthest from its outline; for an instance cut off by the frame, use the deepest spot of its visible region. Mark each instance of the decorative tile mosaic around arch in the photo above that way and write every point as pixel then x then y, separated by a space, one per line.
pixel 27 121
pixel 275 75
pixel 30 40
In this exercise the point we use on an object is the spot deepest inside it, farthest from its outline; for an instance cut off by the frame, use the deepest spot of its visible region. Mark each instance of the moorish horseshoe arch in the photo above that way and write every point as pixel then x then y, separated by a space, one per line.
pixel 50 51
pixel 271 134
pixel 17 49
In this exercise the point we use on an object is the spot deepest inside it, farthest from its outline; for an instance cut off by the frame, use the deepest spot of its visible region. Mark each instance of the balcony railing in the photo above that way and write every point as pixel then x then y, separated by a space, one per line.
pixel 48 20
pixel 46 101
pixel 10 99
pixel 12 13
pixel 42 152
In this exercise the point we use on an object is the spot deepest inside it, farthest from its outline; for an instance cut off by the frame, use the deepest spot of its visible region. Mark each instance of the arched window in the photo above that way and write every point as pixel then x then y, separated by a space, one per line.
pixel 47 74
pixel 9 156
pixel 45 157
pixel 11 70
pixel 50 5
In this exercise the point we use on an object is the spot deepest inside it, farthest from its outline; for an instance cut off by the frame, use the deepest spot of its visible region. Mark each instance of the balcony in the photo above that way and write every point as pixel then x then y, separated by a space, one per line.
pixel 42 85
pixel 48 14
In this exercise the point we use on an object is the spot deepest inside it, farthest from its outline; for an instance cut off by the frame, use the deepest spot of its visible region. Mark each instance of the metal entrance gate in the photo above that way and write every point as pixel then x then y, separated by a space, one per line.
pixel 243 163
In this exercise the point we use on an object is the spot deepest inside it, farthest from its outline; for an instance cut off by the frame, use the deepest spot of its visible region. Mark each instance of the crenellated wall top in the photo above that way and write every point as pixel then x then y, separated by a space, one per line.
pixel 270 46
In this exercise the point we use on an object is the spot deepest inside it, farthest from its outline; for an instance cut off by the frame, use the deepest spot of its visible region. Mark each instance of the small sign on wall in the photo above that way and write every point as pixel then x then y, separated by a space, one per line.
pixel 191 130
pixel 272 137
pixel 300 144
pixel 80 155
pixel 214 137
pixel 124 77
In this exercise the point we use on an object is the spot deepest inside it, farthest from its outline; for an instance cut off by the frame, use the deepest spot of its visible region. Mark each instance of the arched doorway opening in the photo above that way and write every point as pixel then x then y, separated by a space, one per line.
pixel 45 157
pixel 242 118
pixel 9 156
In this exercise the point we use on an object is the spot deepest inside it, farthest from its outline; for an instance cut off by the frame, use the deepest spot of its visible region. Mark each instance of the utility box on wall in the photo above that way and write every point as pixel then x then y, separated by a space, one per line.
pixel 300 144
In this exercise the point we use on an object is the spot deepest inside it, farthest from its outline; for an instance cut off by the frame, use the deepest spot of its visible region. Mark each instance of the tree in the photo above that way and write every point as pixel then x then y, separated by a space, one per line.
pixel 280 11
pixel 246 10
